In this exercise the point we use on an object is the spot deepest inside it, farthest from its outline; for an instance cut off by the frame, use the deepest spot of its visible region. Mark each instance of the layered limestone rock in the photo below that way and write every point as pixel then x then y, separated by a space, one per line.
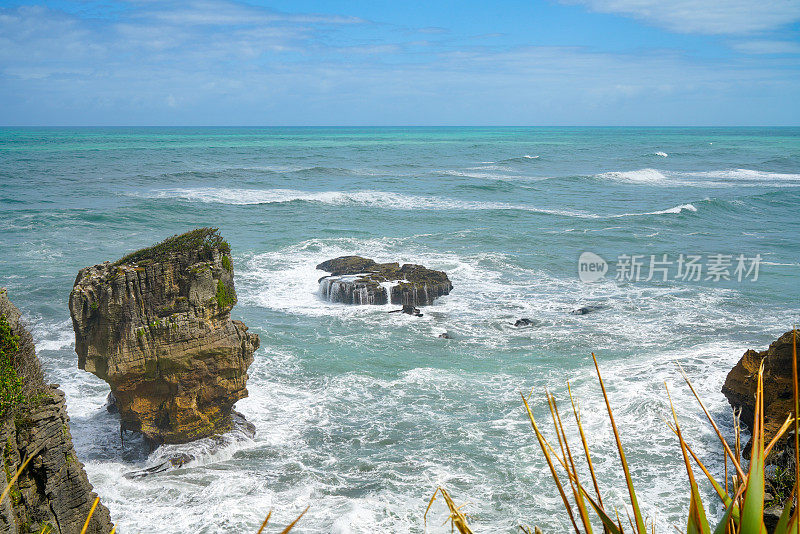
pixel 357 280
pixel 53 488
pixel 740 385
pixel 740 389
pixel 156 326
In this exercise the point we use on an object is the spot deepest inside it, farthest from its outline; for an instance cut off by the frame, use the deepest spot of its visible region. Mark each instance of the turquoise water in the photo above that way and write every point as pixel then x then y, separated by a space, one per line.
pixel 362 414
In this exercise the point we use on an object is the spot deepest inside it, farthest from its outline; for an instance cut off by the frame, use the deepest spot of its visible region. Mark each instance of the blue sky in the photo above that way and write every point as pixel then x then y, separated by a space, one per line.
pixel 303 62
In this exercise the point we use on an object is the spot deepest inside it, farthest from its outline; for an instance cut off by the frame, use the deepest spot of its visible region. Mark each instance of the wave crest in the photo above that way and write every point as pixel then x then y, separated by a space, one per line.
pixel 370 198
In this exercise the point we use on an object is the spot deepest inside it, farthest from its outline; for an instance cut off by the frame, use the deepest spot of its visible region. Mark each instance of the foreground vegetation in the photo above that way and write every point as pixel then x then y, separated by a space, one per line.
pixel 743 497
pixel 742 493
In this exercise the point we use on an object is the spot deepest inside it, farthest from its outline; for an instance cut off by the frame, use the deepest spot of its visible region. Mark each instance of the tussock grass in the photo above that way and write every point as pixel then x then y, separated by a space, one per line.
pixel 743 497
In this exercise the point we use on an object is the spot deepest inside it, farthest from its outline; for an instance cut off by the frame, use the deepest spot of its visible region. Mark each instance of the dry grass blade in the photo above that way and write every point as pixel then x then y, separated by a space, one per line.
pixel 91 513
pixel 697 519
pixel 728 451
pixel 640 528
pixel 293 523
pixel 573 472
pixel 721 492
pixel 576 412
pixel 457 517
pixel 778 435
pixel 264 524
pixel 544 446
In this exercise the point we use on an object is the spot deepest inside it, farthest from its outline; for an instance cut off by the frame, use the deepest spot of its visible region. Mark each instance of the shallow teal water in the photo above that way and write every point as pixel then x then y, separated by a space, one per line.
pixel 360 413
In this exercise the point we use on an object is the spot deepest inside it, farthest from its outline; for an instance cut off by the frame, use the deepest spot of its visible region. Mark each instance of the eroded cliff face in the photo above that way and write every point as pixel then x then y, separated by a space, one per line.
pixel 740 385
pixel 53 488
pixel 156 326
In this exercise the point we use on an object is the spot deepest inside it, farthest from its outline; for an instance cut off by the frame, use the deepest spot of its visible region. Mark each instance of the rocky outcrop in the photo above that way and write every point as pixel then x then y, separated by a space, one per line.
pixel 53 488
pixel 156 326
pixel 740 385
pixel 357 280
pixel 740 389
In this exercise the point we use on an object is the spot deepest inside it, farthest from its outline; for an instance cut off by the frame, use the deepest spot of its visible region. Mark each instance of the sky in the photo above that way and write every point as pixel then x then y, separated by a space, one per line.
pixel 380 62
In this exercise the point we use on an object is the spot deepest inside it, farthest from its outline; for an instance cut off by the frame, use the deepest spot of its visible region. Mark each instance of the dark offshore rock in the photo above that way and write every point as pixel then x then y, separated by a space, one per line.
pixel 408 309
pixel 53 488
pixel 156 326
pixel 583 310
pixel 357 280
pixel 740 386
pixel 523 322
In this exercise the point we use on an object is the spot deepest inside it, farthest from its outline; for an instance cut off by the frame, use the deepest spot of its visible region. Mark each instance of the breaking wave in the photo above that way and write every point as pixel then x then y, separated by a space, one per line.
pixel 369 198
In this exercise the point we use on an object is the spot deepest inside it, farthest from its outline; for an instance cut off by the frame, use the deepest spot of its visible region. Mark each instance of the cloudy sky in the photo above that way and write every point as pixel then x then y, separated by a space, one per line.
pixel 375 62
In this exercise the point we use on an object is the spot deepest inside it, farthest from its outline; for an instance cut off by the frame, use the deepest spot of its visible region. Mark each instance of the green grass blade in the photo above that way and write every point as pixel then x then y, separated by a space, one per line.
pixel 752 513
pixel 608 523
pixel 697 522
pixel 722 527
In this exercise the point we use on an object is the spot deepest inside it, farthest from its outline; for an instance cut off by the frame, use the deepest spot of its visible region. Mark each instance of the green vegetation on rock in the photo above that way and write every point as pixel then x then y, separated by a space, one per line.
pixel 227 263
pixel 10 382
pixel 203 239
pixel 224 297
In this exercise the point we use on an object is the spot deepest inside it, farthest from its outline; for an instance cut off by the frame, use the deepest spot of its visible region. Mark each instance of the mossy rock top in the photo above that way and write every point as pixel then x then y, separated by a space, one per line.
pixel 201 242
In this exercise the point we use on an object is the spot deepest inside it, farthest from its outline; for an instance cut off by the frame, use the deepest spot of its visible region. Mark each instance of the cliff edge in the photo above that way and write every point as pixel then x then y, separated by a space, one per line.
pixel 53 489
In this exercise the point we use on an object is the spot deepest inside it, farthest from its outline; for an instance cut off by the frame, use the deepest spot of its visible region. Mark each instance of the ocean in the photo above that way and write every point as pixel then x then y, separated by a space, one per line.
pixel 361 414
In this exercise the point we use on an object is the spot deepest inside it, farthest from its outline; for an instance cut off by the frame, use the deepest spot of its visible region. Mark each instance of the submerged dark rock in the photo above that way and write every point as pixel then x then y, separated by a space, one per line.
pixel 524 322
pixel 184 455
pixel 583 310
pixel 357 280
pixel 409 310
pixel 445 335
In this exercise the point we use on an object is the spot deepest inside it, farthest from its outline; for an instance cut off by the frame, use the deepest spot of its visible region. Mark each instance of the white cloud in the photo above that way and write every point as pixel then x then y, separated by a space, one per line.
pixel 768 47
pixel 146 68
pixel 704 16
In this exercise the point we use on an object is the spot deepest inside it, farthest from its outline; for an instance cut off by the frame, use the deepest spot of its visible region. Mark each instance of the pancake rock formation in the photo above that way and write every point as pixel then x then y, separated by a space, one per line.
pixel 740 385
pixel 52 490
pixel 156 326
pixel 357 280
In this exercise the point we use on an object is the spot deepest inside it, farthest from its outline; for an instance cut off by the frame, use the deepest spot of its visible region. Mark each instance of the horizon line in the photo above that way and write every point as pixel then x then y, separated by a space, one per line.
pixel 8 126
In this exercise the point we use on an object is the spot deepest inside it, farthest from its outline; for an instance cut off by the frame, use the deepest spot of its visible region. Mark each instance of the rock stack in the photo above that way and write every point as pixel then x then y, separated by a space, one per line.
pixel 156 326
pixel 357 280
